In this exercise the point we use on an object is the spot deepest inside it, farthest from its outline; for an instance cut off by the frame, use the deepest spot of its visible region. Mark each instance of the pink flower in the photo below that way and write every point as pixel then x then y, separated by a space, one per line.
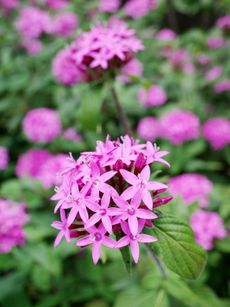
pixel 139 8
pixel 56 4
pixel 216 42
pixel 32 45
pixel 9 4
pixel 133 240
pixel 192 188
pixel 217 132
pixel 41 125
pixel 148 128
pixel 214 73
pixel 180 60
pixel 71 134
pixel 154 96
pixel 222 86
pixel 224 23
pixel 104 188
pixel 4 158
pixel 12 219
pixel 109 6
pixel 64 24
pixel 179 126
pixel 207 227
pixel 166 35
pixel 203 59
pixel 103 48
pixel 133 68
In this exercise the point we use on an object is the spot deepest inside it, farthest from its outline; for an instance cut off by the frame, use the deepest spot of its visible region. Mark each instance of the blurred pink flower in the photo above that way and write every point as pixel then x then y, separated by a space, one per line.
pixel 9 4
pixel 217 132
pixel 64 24
pixel 214 73
pixel 12 218
pixel 42 125
pixel 224 23
pixel 33 46
pixel 133 68
pixel 207 226
pixel 192 188
pixel 4 158
pixel 154 96
pixel 109 6
pixel 139 8
pixel 179 126
pixel 216 42
pixel 166 35
pixel 222 86
pixel 148 128
pixel 203 59
pixel 180 60
pixel 71 134
pixel 57 4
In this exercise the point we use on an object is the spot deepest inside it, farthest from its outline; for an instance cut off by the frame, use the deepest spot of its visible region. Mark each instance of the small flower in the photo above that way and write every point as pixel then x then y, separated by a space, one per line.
pixel 216 42
pixel 224 23
pixel 64 24
pixel 4 158
pixel 109 6
pixel 222 86
pixel 154 96
pixel 214 73
pixel 166 35
pixel 217 132
pixel 148 128
pixel 56 4
pixel 139 8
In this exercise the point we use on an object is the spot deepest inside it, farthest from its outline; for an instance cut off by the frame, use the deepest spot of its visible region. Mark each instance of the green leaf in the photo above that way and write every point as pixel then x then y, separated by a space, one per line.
pixel 177 247
pixel 11 283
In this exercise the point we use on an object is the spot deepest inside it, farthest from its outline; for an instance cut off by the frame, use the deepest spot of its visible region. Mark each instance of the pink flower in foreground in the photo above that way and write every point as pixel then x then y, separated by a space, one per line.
pixel 12 219
pixel 191 187
pixel 224 23
pixel 222 86
pixel 64 24
pixel 42 125
pixel 214 73
pixel 179 126
pixel 207 227
pixel 139 8
pixel 105 47
pixel 133 68
pixel 154 96
pixel 109 6
pixel 148 128
pixel 4 157
pixel 103 189
pixel 216 42
pixel 166 35
pixel 217 132
pixel 56 4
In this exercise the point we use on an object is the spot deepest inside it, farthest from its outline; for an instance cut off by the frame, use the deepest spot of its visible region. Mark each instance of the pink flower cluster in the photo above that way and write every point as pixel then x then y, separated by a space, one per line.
pixel 217 132
pixel 56 4
pixel 9 4
pixel 207 227
pixel 41 165
pixel 216 42
pixel 42 125
pixel 107 192
pixel 102 48
pixel 224 23
pixel 214 73
pixel 133 68
pixel 166 35
pixel 12 219
pixel 192 188
pixel 71 134
pixel 222 86
pixel 109 6
pixel 139 8
pixel 4 157
pixel 179 126
pixel 148 128
pixel 154 96
pixel 179 59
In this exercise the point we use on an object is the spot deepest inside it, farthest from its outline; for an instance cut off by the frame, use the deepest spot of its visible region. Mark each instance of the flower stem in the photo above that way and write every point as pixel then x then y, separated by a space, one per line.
pixel 157 260
pixel 122 116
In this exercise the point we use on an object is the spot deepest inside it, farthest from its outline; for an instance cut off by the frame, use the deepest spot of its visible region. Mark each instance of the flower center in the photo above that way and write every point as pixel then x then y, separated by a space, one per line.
pixel 131 211
pixel 132 237
pixel 102 211
pixel 98 236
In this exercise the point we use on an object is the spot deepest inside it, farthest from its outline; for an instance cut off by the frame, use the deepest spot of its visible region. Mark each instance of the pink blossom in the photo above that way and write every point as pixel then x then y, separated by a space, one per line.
pixel 180 60
pixel 71 134
pixel 41 125
pixel 64 24
pixel 4 158
pixel 224 23
pixel 12 219
pixel 203 59
pixel 207 226
pixel 9 4
pixel 148 128
pixel 57 4
pixel 139 8
pixel 166 35
pixel 109 6
pixel 102 189
pixel 179 126
pixel 216 42
pixel 133 68
pixel 32 45
pixel 222 86
pixel 154 96
pixel 217 132
pixel 214 73
pixel 192 188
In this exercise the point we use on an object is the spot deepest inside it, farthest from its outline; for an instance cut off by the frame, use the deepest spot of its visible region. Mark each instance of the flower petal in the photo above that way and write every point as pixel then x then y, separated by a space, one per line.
pixel 145 173
pixel 107 223
pixel 146 238
pixel 96 252
pixel 122 242
pixel 135 251
pixel 147 199
pixel 146 214
pixel 133 224
pixel 129 177
pixel 93 220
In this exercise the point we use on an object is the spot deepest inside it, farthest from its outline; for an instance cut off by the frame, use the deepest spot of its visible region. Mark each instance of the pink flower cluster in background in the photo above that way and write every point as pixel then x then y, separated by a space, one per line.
pixel 41 165
pixel 133 68
pixel 192 188
pixel 214 73
pixel 224 23
pixel 148 128
pixel 71 134
pixel 109 6
pixel 207 227
pixel 217 132
pixel 4 157
pixel 179 126
pixel 107 192
pixel 166 35
pixel 9 4
pixel 154 96
pixel 179 59
pixel 104 47
pixel 42 125
pixel 222 86
pixel 56 4
pixel 216 42
pixel 12 218
pixel 139 8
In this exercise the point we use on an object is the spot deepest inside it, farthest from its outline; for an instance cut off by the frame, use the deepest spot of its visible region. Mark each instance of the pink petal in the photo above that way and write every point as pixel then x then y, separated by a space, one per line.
pixel 93 206
pixel 95 170
pixel 125 227
pixel 129 177
pixel 105 201
pixel 133 224
pixel 146 238
pixel 114 211
pixel 109 242
pixel 146 214
pixel 136 200
pixel 153 185
pixel 121 203
pixel 83 214
pixel 147 199
pixel 107 223
pixel 135 251
pixel 84 241
pixel 57 225
pixel 93 220
pixel 145 173
pixel 72 215
pixel 128 193
pixel 58 238
pixel 105 177
pixel 122 242
pixel 96 252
